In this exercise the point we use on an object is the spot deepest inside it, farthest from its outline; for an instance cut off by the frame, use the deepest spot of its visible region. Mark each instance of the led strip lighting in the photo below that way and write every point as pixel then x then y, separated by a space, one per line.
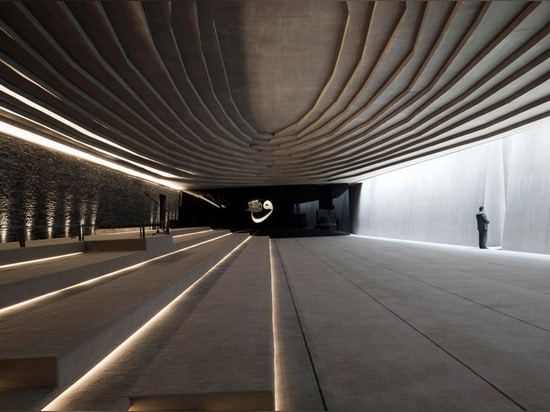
pixel 30 262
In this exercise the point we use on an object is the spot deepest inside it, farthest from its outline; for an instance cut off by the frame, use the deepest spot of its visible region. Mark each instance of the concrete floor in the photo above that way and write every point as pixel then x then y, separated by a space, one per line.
pixel 408 326
pixel 334 323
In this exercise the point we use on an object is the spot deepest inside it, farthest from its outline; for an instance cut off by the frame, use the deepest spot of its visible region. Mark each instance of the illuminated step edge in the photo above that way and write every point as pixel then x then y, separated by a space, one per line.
pixel 225 401
pixel 64 399
pixel 58 371
pixel 24 254
pixel 45 282
pixel 229 363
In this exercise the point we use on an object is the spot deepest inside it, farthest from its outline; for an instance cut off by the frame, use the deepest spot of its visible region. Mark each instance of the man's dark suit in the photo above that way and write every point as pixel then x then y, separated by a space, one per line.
pixel 482 227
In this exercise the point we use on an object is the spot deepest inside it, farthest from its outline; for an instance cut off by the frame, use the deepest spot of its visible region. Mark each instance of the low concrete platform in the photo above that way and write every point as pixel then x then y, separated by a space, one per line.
pixel 223 353
pixel 51 343
pixel 212 349
pixel 12 252
pixel 24 279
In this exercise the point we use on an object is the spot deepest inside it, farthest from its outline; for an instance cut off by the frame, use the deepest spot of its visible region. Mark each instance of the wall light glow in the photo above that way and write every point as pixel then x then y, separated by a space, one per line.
pixel 275 325
pixel 93 216
pixel 28 212
pixel 50 144
pixel 4 218
pixel 67 212
pixel 61 402
pixel 50 214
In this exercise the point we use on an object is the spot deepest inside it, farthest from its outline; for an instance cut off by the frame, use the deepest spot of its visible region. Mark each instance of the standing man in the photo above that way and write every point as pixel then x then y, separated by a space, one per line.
pixel 482 227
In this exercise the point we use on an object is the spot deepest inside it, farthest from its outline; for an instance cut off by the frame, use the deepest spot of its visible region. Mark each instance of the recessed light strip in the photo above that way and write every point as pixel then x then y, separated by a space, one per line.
pixel 277 373
pixel 82 130
pixel 42 260
pixel 192 233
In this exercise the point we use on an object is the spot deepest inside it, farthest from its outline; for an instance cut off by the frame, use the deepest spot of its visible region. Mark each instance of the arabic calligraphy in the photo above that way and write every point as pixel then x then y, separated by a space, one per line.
pixel 255 206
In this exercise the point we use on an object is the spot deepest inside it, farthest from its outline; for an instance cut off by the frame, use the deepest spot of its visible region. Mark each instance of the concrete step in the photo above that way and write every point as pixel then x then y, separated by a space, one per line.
pixel 18 284
pixel 12 253
pixel 51 344
pixel 222 354
pixel 22 282
pixel 212 348
pixel 39 249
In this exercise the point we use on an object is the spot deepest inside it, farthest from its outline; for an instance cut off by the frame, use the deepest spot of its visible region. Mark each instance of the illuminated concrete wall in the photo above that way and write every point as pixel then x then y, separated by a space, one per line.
pixel 436 201
pixel 527 215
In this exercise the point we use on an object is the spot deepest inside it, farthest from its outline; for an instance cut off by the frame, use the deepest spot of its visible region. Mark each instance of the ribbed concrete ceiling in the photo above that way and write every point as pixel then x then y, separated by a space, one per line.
pixel 245 93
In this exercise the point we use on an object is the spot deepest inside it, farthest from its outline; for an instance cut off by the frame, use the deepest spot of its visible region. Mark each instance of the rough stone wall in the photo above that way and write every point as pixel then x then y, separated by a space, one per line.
pixel 40 187
pixel 436 201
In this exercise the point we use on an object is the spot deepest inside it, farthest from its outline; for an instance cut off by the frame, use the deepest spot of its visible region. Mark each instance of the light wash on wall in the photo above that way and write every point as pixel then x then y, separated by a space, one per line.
pixel 436 201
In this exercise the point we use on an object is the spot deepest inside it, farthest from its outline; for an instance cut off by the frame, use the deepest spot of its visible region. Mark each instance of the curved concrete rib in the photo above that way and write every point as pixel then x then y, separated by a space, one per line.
pixel 393 141
pixel 460 114
pixel 338 75
pixel 76 93
pixel 159 29
pixel 216 111
pixel 252 93
pixel 333 136
pixel 362 75
pixel 447 63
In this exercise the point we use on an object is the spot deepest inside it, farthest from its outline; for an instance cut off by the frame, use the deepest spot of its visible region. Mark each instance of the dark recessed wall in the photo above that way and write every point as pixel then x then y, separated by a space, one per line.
pixel 301 207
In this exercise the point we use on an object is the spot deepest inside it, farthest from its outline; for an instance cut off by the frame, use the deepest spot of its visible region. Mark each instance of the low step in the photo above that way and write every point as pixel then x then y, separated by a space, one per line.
pixel 229 401
pixel 221 357
pixel 23 282
pixel 79 327
pixel 11 254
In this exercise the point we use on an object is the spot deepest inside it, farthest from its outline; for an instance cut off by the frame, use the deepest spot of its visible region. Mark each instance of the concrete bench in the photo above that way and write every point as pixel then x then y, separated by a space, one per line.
pixel 52 344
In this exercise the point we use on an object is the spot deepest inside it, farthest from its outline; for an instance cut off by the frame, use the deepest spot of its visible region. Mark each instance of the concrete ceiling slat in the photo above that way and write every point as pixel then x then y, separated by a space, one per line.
pixel 160 26
pixel 357 85
pixel 439 71
pixel 467 69
pixel 412 150
pixel 213 61
pixel 185 26
pixel 130 27
pixel 251 93
pixel 353 40
pixel 77 94
pixel 159 30
pixel 459 141
pixel 163 140
pixel 473 105
pixel 333 136
pixel 411 95
pixel 36 89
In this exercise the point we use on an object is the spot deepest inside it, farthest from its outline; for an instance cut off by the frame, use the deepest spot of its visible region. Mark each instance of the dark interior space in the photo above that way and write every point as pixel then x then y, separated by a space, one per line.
pixel 302 210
